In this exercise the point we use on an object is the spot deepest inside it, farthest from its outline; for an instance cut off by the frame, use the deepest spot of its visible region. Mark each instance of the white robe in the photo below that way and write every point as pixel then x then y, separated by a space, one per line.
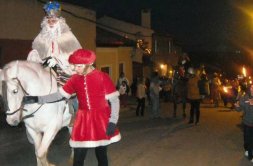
pixel 57 42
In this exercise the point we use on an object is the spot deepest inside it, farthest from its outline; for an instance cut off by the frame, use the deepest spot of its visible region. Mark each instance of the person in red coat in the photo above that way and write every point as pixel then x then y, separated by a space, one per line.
pixel 96 119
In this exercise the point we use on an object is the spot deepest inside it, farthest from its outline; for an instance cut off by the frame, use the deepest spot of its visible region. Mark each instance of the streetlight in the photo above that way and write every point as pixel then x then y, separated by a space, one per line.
pixel 244 72
pixel 162 66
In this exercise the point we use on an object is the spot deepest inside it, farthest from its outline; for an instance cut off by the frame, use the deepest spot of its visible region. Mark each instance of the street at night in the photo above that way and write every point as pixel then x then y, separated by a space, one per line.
pixel 216 141
pixel 96 65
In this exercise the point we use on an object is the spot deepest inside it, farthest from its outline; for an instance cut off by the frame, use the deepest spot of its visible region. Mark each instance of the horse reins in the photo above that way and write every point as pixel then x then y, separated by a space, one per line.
pixel 21 108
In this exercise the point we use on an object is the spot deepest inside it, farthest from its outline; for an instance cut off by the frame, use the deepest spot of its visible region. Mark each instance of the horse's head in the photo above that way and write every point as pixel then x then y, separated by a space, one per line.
pixel 23 78
pixel 12 94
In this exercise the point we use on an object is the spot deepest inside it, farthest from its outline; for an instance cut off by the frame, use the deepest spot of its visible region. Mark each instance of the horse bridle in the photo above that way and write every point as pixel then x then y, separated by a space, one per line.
pixel 21 108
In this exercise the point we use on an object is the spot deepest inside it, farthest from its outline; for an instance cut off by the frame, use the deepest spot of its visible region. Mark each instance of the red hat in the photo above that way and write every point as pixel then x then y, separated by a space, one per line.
pixel 82 56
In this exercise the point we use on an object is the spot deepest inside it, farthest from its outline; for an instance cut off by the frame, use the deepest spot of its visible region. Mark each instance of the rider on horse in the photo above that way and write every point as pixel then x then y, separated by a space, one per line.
pixel 54 44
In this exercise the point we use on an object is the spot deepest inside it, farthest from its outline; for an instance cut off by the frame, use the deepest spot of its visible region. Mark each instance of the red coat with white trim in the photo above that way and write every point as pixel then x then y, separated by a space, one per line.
pixel 93 114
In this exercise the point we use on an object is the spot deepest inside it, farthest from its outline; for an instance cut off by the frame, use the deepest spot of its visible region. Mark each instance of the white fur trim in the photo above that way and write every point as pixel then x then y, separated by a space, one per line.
pixel 34 56
pixel 111 95
pixel 92 144
pixel 63 93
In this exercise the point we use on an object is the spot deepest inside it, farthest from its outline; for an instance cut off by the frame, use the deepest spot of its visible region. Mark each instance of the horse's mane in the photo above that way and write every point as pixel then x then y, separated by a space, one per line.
pixel 31 68
pixel 23 63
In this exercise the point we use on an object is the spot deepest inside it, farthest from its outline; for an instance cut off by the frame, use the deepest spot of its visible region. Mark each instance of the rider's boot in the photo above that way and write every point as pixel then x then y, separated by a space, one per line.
pixel 71 123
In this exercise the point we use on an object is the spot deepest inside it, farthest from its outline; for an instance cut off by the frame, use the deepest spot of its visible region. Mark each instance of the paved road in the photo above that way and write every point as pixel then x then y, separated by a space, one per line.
pixel 216 141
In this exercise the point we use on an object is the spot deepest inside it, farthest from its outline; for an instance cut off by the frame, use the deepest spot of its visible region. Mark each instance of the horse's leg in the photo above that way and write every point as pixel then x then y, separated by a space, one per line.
pixel 30 139
pixel 44 161
pixel 45 143
pixel 36 139
pixel 66 116
pixel 72 150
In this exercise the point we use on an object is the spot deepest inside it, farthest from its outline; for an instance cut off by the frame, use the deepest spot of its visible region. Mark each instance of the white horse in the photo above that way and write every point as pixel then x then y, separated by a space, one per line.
pixel 42 121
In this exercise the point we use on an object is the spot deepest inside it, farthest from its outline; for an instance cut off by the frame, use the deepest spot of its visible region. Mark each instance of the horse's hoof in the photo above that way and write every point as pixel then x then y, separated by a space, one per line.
pixel 41 154
pixel 72 154
pixel 70 161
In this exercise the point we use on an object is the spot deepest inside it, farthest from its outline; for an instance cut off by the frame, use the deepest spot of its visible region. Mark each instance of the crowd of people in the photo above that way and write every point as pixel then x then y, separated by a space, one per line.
pixel 180 88
pixel 198 87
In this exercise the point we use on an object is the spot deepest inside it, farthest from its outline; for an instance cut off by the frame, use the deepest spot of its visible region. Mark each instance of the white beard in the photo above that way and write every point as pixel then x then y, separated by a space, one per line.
pixel 51 33
pixel 60 34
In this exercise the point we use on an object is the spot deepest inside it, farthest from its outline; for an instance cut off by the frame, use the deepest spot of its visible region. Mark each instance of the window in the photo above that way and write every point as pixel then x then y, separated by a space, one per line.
pixel 121 68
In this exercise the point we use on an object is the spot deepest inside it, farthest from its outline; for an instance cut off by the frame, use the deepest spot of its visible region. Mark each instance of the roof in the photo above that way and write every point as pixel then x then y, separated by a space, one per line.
pixel 123 28
pixel 106 38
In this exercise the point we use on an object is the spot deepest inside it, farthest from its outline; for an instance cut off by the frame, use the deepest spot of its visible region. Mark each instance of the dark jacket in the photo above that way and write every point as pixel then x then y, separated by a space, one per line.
pixel 193 88
pixel 247 109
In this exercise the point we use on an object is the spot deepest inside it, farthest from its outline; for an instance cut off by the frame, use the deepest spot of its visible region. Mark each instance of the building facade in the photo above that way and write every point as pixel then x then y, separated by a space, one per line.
pixel 165 53
pixel 140 35
pixel 20 24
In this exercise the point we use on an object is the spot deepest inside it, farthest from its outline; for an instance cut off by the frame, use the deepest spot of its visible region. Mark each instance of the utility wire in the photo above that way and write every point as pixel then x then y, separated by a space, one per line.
pixel 97 23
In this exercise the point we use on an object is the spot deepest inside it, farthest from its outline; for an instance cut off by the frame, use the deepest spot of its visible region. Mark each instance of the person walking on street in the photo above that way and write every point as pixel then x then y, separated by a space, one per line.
pixel 123 93
pixel 96 119
pixel 122 78
pixel 245 104
pixel 215 90
pixel 147 84
pixel 193 95
pixel 204 89
pixel 141 95
pixel 154 96
pixel 133 86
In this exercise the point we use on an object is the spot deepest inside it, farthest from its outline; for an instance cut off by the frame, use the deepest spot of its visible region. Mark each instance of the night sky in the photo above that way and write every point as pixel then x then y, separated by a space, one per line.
pixel 199 25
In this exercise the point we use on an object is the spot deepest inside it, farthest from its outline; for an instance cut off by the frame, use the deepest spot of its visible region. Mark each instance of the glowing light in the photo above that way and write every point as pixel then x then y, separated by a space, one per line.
pixel 246 10
pixel 225 89
pixel 244 72
pixel 148 50
pixel 140 43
